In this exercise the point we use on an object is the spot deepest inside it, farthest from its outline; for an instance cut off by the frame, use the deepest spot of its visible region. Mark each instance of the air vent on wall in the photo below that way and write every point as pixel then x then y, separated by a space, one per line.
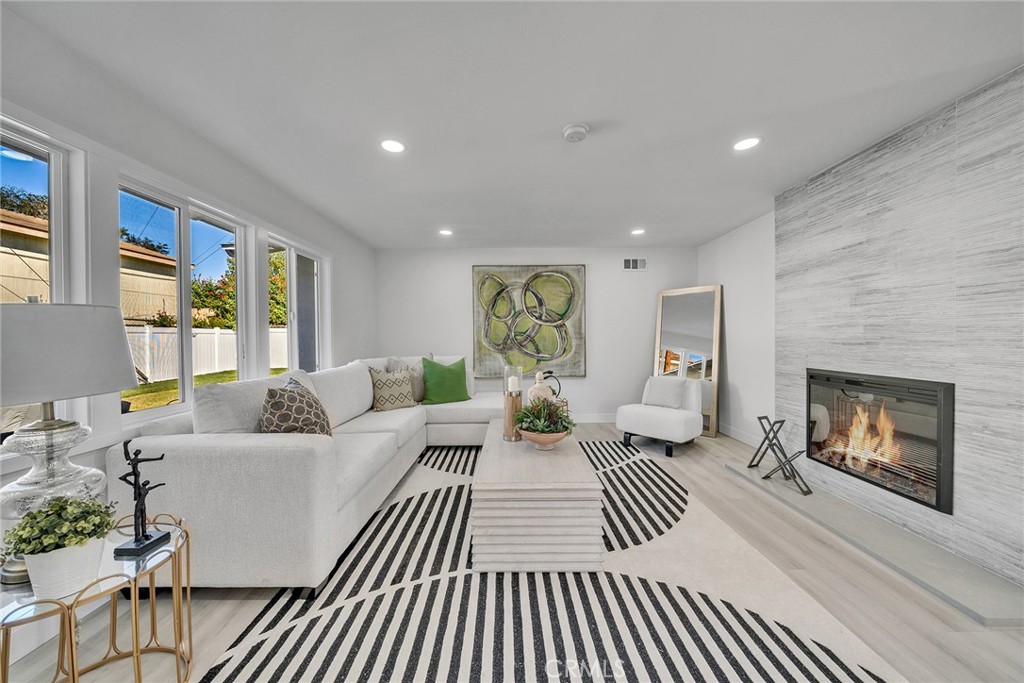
pixel 634 264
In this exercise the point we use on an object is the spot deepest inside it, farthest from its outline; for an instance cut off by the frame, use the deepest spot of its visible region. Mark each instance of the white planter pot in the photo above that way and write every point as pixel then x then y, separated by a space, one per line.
pixel 65 571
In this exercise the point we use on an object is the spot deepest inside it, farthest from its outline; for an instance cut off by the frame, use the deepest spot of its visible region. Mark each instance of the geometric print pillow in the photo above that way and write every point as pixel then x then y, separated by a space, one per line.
pixel 391 390
pixel 293 409
pixel 415 371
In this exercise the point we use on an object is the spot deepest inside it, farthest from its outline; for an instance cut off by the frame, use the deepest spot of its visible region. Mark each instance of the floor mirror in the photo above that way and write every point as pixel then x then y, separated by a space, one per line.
pixel 687 342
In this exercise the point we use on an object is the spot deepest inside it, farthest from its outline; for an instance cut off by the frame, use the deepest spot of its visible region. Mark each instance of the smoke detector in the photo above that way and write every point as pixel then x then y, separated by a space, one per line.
pixel 575 132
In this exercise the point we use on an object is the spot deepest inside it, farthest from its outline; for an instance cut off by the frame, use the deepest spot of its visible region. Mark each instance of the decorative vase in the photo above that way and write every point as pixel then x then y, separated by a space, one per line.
pixel 65 571
pixel 543 442
pixel 540 389
pixel 52 474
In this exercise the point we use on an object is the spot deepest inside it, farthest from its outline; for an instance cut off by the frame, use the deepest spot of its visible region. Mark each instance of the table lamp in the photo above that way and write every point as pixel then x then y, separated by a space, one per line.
pixel 50 352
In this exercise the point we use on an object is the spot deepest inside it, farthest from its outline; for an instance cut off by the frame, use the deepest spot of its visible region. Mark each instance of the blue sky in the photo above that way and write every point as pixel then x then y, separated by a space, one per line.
pixel 32 176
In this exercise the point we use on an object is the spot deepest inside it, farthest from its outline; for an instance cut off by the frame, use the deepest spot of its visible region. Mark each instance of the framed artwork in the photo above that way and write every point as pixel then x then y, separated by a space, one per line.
pixel 529 316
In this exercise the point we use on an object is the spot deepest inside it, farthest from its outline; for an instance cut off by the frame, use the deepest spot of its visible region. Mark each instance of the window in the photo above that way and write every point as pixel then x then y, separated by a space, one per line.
pixel 306 320
pixel 149 299
pixel 30 213
pixel 294 309
pixel 162 306
pixel 214 302
pixel 277 288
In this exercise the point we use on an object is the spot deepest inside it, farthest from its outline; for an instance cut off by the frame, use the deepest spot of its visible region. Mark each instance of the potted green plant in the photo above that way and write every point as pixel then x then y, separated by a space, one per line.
pixel 62 543
pixel 544 422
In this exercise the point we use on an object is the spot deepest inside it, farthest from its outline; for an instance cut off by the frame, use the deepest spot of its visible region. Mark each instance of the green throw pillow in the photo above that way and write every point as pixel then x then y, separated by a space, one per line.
pixel 444 383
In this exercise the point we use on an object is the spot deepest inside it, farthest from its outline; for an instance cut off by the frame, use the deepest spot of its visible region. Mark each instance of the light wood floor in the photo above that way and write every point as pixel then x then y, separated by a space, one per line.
pixel 921 637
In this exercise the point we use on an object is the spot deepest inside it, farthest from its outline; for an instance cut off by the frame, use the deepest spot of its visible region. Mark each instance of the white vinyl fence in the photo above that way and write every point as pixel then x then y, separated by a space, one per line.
pixel 155 350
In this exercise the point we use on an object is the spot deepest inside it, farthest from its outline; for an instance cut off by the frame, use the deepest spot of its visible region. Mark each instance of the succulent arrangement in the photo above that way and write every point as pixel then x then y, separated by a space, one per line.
pixel 544 416
pixel 61 523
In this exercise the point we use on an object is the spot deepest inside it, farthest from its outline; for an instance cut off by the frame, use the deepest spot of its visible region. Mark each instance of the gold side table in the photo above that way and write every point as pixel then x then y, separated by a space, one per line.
pixel 20 607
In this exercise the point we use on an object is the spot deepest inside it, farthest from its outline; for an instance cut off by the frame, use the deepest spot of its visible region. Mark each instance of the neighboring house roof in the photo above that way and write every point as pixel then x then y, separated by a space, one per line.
pixel 20 223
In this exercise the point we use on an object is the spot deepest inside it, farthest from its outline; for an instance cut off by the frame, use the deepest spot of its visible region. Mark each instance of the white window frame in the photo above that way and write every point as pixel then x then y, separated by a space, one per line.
pixel 57 167
pixel 292 250
pixel 184 291
pixel 189 209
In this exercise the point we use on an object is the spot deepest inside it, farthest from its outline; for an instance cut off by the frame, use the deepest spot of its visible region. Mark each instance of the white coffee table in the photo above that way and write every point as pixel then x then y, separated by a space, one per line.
pixel 535 510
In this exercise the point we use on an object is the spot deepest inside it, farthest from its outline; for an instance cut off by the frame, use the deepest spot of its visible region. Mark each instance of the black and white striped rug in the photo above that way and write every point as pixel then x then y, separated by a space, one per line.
pixel 404 605
pixel 641 500
pixel 534 627
pixel 451 459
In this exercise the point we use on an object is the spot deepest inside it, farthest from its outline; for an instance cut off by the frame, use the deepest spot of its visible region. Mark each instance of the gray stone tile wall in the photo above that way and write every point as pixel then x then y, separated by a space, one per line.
pixel 908 260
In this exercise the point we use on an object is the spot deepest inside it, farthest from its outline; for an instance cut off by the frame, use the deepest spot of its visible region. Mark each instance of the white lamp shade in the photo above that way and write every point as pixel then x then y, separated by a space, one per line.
pixel 50 352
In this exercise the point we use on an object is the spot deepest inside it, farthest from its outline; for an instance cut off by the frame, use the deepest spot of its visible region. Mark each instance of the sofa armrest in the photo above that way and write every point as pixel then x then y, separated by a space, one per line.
pixel 257 504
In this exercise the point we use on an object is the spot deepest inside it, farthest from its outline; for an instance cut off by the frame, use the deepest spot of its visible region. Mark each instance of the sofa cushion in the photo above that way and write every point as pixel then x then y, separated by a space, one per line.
pixel 391 390
pixel 403 423
pixel 666 392
pixel 235 407
pixel 480 408
pixel 360 457
pixel 345 392
pixel 293 409
pixel 444 383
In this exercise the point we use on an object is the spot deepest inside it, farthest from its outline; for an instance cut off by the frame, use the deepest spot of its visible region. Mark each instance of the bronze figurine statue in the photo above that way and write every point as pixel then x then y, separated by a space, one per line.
pixel 143 541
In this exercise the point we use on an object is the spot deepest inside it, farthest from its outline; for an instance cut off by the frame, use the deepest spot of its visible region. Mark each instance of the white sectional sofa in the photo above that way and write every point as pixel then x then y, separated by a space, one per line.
pixel 279 509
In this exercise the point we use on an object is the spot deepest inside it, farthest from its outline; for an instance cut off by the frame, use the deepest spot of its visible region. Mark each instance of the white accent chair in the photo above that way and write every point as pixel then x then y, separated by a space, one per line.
pixel 670 410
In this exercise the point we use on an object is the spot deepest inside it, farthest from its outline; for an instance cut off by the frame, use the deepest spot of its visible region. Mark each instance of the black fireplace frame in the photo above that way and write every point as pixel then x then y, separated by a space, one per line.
pixel 942 394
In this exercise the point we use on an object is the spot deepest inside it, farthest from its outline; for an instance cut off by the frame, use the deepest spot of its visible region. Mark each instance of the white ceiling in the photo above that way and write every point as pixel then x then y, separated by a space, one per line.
pixel 479 92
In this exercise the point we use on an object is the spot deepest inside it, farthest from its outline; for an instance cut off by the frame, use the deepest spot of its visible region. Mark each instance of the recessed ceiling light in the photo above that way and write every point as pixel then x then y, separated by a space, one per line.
pixel 16 155
pixel 393 146
pixel 748 143
pixel 446 232
pixel 637 231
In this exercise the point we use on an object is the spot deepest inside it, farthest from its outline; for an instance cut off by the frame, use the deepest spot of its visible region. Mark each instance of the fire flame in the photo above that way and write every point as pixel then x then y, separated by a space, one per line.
pixel 863 447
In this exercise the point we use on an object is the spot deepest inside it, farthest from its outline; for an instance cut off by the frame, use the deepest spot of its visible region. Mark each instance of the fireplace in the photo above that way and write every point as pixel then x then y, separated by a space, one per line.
pixel 892 432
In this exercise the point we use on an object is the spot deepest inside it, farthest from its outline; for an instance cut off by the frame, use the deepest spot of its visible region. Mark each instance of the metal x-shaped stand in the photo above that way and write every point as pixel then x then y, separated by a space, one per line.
pixel 771 443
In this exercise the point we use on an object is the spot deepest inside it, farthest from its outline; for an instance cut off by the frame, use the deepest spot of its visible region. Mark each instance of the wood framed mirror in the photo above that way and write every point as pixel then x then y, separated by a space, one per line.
pixel 686 339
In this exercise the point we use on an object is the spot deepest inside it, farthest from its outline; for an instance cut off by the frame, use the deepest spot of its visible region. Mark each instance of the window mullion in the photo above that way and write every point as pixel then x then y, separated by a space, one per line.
pixel 185 303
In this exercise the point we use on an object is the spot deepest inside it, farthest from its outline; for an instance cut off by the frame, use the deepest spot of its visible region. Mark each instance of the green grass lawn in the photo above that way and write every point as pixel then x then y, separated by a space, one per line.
pixel 165 392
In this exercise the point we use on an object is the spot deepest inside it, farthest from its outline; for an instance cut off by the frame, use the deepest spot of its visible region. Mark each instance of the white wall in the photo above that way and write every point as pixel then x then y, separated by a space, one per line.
pixel 426 305
pixel 743 262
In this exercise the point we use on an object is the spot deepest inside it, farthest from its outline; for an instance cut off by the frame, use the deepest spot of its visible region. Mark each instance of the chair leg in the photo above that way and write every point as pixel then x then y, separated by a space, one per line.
pixel 668 449
pixel 626 439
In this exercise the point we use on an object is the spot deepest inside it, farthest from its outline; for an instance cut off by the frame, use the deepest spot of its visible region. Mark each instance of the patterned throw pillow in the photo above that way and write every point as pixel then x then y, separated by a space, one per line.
pixel 391 390
pixel 293 409
pixel 415 371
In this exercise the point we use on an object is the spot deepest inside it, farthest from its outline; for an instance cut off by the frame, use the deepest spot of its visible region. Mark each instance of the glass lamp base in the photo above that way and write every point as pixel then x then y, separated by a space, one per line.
pixel 14 571
pixel 52 474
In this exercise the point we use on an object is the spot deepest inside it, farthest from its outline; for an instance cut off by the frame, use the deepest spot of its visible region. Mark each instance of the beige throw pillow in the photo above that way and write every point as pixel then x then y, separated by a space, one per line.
pixel 391 390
